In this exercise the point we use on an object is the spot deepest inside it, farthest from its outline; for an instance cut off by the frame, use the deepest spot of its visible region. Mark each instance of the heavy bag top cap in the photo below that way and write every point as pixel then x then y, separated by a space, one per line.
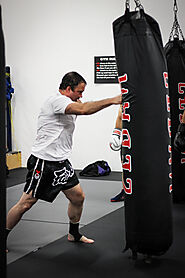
pixel 139 23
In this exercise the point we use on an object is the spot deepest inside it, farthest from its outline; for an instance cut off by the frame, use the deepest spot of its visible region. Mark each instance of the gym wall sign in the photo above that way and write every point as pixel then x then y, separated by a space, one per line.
pixel 105 70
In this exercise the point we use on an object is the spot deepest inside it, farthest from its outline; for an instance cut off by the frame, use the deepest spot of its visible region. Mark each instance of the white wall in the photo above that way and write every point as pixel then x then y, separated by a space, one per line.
pixel 44 39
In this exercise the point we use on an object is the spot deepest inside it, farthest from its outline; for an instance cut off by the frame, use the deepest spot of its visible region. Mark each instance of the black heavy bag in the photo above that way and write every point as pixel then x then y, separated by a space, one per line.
pixel 2 156
pixel 9 92
pixel 175 55
pixel 146 126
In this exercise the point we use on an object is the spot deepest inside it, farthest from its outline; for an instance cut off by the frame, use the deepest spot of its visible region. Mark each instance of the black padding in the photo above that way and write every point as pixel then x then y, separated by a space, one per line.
pixel 146 142
pixel 2 157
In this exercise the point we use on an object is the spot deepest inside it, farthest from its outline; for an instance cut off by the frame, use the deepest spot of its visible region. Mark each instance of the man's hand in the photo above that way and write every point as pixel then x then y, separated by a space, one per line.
pixel 115 142
pixel 117 99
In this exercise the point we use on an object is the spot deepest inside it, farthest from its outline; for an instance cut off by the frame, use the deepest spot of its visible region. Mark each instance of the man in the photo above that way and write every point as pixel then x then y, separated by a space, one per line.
pixel 49 170
pixel 179 141
pixel 115 145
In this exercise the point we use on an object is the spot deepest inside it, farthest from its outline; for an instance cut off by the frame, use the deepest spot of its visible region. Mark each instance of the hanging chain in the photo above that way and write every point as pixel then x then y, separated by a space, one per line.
pixel 138 4
pixel 176 27
pixel 176 24
pixel 127 4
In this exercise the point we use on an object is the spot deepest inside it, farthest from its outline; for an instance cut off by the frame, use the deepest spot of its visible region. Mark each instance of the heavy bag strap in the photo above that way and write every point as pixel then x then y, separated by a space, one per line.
pixel 137 2
pixel 176 29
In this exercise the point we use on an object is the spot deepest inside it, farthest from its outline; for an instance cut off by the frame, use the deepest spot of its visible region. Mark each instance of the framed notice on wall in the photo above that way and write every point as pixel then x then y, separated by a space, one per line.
pixel 105 69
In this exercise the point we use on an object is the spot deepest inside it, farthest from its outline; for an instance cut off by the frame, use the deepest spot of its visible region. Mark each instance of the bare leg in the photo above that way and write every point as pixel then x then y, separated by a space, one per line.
pixel 76 197
pixel 16 212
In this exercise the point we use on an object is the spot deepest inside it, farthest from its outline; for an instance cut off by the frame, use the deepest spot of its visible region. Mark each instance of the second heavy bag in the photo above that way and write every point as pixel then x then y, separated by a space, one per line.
pixel 175 55
pixel 146 133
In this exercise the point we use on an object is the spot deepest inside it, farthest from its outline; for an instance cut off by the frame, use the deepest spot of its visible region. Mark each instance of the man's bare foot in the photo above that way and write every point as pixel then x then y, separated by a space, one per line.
pixel 82 239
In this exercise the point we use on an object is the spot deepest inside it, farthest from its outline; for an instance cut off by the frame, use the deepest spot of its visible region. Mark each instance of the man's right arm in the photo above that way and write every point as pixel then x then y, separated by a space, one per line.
pixel 119 118
pixel 91 107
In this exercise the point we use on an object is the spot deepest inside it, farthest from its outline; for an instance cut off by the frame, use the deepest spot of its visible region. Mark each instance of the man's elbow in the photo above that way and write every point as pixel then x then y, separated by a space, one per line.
pixel 84 112
pixel 77 112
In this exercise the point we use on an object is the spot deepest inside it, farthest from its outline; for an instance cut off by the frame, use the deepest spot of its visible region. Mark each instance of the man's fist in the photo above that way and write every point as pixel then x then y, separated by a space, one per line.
pixel 179 141
pixel 115 142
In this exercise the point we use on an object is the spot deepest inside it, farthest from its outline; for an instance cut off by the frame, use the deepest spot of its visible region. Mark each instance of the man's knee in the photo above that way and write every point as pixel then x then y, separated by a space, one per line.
pixel 25 204
pixel 75 195
pixel 78 199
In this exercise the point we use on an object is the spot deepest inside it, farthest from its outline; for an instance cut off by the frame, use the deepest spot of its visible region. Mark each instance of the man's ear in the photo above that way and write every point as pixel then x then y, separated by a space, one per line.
pixel 68 89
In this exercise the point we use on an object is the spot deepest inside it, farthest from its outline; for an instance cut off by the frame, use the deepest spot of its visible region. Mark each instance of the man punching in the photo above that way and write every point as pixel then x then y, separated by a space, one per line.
pixel 49 168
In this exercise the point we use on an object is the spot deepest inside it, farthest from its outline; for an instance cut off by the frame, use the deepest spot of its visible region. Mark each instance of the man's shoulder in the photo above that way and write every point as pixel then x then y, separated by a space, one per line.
pixel 58 102
pixel 58 97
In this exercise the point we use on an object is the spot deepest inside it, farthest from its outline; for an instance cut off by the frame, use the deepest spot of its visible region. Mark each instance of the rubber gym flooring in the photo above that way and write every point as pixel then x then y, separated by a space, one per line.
pixel 46 222
pixel 39 247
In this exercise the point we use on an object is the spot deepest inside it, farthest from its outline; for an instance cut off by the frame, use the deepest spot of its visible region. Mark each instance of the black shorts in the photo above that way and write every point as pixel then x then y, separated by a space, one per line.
pixel 47 178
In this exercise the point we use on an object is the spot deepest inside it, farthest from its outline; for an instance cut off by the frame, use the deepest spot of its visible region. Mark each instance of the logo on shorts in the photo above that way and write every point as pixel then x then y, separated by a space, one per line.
pixel 37 174
pixel 62 176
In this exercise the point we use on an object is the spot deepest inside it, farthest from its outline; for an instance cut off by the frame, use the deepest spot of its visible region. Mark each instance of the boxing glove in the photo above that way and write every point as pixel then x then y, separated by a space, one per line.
pixel 179 141
pixel 115 142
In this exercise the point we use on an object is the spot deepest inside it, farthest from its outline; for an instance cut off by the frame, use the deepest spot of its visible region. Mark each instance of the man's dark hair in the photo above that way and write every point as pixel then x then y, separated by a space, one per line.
pixel 71 79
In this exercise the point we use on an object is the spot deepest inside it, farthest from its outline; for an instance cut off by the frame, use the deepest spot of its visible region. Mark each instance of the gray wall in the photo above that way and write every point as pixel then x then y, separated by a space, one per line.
pixel 47 38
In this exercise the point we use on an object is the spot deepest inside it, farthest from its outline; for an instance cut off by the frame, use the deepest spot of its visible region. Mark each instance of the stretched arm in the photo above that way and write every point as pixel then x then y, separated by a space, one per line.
pixel 119 119
pixel 183 117
pixel 92 107
pixel 115 141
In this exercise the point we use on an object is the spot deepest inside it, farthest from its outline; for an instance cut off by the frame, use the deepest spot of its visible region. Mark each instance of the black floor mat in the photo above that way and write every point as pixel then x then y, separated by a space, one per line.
pixel 18 176
pixel 104 258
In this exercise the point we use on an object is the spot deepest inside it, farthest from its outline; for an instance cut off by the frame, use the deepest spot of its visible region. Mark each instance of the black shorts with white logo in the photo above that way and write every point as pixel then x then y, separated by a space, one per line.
pixel 47 178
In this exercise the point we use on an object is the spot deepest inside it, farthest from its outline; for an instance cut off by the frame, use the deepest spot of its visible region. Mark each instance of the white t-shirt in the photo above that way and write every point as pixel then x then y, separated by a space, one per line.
pixel 55 130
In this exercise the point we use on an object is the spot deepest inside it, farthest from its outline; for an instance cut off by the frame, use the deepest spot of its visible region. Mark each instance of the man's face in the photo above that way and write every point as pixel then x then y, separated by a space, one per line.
pixel 77 93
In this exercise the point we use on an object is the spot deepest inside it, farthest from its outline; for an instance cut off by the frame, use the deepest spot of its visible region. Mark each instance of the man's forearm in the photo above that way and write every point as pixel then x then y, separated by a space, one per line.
pixel 95 106
pixel 183 117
